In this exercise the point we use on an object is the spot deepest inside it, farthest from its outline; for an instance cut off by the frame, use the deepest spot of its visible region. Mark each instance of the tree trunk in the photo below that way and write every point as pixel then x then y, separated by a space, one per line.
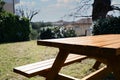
pixel 100 9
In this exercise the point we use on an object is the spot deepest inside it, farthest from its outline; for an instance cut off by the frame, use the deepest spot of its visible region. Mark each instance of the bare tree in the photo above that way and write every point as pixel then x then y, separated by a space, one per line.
pixel 99 9
pixel 25 12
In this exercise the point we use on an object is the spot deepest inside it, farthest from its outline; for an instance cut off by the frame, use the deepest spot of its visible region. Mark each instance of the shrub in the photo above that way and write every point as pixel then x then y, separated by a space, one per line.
pixel 2 3
pixel 38 25
pixel 56 32
pixel 13 28
pixel 46 34
pixel 107 26
pixel 34 34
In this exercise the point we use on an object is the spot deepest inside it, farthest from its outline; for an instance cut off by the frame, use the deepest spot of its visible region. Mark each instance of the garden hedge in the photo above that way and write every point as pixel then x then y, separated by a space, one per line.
pixel 109 25
pixel 13 28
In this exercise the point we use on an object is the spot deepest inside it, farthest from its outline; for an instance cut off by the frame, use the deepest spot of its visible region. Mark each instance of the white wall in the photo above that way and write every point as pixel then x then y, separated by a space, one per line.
pixel 9 5
pixel 11 1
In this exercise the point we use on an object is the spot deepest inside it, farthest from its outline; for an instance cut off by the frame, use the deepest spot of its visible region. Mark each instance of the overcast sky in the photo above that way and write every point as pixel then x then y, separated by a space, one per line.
pixel 53 10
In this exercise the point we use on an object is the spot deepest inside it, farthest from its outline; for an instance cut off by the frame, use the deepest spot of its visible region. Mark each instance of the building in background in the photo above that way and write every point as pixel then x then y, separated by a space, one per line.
pixel 82 27
pixel 10 5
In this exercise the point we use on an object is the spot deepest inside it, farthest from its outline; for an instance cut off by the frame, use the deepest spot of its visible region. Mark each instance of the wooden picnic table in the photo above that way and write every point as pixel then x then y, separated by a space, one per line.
pixel 103 48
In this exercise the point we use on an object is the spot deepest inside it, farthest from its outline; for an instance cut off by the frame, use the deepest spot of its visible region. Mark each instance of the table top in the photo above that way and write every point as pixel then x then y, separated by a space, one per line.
pixel 108 44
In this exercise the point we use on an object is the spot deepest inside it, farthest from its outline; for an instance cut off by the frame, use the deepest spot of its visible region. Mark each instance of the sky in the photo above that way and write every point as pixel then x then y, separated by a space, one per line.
pixel 52 10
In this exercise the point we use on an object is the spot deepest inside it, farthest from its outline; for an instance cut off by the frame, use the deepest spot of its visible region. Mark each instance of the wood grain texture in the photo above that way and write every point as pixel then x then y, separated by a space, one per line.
pixel 103 48
pixel 109 43
pixel 41 68
pixel 57 65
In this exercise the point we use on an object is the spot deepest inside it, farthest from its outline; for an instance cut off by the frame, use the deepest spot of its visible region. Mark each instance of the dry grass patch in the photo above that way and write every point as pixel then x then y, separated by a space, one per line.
pixel 20 53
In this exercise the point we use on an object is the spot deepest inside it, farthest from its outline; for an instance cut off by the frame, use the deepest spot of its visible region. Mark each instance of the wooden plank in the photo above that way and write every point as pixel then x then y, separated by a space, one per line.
pixel 101 47
pixel 114 66
pixel 36 65
pixel 71 58
pixel 84 41
pixel 96 65
pixel 107 42
pixel 113 46
pixel 65 77
pixel 59 61
pixel 97 38
pixel 43 67
pixel 81 44
pixel 74 58
pixel 101 73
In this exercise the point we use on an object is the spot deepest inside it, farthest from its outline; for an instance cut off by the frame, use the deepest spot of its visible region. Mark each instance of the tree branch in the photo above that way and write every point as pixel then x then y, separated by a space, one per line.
pixel 115 8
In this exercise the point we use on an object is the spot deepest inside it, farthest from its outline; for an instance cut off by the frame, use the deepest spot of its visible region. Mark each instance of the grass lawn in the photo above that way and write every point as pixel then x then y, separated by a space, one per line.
pixel 20 53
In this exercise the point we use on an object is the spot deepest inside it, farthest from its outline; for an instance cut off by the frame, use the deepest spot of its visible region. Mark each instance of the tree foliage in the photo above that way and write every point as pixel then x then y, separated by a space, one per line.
pixel 2 3
pixel 35 29
pixel 13 28
pixel 56 32
pixel 107 26
pixel 47 34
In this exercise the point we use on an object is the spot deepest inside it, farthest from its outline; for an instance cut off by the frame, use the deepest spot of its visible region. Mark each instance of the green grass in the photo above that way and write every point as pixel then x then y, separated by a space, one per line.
pixel 20 53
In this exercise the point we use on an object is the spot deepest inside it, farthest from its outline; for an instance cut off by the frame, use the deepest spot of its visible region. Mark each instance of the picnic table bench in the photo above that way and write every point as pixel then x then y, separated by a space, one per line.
pixel 41 68
pixel 104 48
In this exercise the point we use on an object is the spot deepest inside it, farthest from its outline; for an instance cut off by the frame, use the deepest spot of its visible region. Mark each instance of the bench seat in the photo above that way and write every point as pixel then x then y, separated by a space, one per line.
pixel 41 68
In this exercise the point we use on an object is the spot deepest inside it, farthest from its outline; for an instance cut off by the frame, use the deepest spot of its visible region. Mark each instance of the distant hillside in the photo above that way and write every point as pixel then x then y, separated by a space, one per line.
pixel 62 22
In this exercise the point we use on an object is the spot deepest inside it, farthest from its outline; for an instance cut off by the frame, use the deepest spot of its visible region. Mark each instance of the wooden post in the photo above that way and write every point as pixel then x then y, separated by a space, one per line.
pixel 57 65
pixel 96 65
pixel 114 65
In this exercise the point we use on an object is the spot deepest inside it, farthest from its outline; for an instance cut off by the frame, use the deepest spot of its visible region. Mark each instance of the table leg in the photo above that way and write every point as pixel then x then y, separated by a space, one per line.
pixel 114 66
pixel 116 72
pixel 57 65
pixel 96 65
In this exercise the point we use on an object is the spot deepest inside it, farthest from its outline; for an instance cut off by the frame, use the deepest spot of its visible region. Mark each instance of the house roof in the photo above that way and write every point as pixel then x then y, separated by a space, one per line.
pixel 84 20
pixel 78 22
